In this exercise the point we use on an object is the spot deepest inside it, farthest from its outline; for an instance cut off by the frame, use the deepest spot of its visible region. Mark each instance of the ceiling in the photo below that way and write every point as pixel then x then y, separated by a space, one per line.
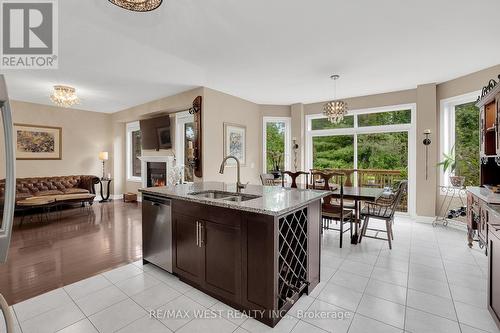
pixel 268 52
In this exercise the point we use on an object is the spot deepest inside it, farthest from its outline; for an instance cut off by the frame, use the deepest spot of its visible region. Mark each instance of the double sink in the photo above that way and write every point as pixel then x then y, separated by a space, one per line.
pixel 225 196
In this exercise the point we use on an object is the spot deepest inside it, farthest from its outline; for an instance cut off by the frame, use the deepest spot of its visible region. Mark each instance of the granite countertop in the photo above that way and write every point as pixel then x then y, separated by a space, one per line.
pixel 272 200
pixel 485 194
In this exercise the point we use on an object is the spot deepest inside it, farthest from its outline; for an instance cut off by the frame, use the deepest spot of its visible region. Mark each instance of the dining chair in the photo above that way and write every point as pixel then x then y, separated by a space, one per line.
pixel 294 176
pixel 383 210
pixel 333 208
pixel 267 179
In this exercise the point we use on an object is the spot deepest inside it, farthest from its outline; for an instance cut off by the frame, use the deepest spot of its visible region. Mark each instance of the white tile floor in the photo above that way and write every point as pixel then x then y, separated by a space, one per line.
pixel 430 282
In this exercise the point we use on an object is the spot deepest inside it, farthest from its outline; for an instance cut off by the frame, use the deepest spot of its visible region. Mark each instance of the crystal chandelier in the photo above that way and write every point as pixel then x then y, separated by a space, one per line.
pixel 137 5
pixel 335 110
pixel 64 96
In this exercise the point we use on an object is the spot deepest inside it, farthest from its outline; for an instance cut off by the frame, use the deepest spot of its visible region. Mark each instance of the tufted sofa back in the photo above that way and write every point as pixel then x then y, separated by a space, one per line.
pixel 39 186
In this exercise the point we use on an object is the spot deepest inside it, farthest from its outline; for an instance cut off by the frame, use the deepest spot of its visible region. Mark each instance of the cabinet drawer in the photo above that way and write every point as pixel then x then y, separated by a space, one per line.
pixel 220 215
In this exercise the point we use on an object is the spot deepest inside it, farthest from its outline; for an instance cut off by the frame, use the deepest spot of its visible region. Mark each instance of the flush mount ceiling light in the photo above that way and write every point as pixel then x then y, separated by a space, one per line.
pixel 137 5
pixel 335 110
pixel 64 96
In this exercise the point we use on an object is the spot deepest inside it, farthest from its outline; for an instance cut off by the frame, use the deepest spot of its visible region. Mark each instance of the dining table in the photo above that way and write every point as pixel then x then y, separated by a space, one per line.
pixel 358 194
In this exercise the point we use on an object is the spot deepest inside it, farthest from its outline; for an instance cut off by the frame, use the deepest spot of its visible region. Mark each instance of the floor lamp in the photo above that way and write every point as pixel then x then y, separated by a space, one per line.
pixel 103 156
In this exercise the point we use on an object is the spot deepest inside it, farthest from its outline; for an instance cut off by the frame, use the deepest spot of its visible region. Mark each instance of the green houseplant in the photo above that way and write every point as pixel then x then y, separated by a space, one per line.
pixel 450 163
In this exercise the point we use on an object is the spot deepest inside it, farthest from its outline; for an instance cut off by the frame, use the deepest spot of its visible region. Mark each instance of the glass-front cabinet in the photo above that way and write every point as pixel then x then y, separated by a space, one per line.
pixel 489 106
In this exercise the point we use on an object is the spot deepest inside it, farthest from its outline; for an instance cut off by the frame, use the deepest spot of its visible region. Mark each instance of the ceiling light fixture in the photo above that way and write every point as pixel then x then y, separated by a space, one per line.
pixel 64 96
pixel 137 5
pixel 335 110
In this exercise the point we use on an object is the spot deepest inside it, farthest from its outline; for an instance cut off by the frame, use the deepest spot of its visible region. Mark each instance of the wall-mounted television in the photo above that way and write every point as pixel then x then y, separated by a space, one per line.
pixel 155 133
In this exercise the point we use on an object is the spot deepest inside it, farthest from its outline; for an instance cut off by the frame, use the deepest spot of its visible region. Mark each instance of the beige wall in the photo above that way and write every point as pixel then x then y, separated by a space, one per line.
pixel 371 101
pixel 467 84
pixel 219 108
pixel 426 119
pixel 163 105
pixel 275 110
pixel 84 135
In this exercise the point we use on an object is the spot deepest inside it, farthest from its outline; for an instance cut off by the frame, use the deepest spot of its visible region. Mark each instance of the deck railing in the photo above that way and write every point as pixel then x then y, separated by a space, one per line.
pixel 371 178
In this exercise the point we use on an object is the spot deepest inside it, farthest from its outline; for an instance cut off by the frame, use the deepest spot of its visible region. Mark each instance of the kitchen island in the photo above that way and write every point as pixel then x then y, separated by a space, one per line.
pixel 257 250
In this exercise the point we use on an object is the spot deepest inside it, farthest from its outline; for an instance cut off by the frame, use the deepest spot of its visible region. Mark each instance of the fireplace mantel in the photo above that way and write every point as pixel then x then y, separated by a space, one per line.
pixel 168 160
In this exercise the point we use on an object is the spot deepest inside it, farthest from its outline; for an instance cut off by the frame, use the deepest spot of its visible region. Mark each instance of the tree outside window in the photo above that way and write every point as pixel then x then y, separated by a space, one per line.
pixel 467 143
pixel 275 145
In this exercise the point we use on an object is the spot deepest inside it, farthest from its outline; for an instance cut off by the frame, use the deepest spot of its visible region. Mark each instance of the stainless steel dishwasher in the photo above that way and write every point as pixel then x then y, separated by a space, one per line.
pixel 157 231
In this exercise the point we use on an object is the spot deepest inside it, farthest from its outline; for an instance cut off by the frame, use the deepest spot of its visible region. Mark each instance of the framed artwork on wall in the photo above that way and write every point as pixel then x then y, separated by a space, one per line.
pixel 34 142
pixel 235 143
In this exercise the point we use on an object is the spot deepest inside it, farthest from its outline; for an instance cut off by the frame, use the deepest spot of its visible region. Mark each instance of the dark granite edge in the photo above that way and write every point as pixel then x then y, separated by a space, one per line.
pixel 229 205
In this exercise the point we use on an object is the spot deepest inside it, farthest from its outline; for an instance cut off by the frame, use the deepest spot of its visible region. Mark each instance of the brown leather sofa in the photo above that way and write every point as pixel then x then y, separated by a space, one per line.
pixel 43 186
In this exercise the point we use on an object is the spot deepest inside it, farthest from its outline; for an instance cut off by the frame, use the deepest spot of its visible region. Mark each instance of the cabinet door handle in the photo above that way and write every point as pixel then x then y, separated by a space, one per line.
pixel 197 233
pixel 202 236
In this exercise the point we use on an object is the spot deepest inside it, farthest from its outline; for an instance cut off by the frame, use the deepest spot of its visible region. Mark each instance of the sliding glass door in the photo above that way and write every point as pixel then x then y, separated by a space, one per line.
pixel 374 147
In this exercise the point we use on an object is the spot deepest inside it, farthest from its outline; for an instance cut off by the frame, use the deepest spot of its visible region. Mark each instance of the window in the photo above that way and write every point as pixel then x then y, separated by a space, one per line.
pixel 185 132
pixel 335 152
pixel 460 133
pixel 384 118
pixel 383 151
pixel 134 152
pixel 376 145
pixel 276 144
pixel 324 123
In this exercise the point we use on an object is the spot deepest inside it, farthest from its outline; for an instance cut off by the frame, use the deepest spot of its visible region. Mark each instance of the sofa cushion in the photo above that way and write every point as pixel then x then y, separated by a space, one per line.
pixel 75 190
pixel 48 192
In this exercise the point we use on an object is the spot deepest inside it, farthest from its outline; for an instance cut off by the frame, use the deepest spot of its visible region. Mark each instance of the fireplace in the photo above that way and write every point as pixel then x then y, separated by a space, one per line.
pixel 156 174
pixel 154 170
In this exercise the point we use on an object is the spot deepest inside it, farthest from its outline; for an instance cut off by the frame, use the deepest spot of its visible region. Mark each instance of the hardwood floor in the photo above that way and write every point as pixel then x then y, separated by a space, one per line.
pixel 47 255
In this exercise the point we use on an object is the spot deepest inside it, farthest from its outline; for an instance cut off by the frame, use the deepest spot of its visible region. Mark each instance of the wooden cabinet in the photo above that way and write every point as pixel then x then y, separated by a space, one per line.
pixel 489 106
pixel 494 268
pixel 497 100
pixel 477 221
pixel 208 252
pixel 186 250
pixel 490 129
pixel 221 245
pixel 482 227
pixel 234 255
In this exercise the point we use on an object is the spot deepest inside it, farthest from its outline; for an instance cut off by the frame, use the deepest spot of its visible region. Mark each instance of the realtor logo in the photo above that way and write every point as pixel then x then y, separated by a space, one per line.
pixel 29 34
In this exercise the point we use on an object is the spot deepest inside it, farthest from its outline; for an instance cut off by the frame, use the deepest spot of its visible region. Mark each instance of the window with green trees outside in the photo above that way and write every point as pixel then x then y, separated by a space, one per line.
pixel 275 145
pixel 467 143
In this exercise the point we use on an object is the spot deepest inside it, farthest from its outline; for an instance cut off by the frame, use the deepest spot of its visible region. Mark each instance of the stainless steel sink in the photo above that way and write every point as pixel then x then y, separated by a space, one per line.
pixel 226 196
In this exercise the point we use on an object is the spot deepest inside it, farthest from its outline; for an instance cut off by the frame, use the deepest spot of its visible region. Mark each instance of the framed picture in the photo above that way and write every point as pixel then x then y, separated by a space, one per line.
pixel 235 143
pixel 164 140
pixel 33 142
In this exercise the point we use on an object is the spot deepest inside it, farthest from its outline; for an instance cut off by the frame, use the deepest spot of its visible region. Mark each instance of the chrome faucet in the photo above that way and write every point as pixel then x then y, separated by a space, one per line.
pixel 239 185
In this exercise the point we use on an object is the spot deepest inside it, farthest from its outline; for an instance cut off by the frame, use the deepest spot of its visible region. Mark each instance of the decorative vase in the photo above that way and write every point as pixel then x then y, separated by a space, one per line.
pixel 457 181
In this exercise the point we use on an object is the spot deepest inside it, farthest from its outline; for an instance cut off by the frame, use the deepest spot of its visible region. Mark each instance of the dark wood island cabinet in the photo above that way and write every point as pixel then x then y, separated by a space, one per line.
pixel 258 256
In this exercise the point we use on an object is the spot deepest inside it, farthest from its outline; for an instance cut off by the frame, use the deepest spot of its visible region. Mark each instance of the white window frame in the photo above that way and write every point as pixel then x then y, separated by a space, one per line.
pixel 288 140
pixel 181 119
pixel 447 128
pixel 356 130
pixel 131 127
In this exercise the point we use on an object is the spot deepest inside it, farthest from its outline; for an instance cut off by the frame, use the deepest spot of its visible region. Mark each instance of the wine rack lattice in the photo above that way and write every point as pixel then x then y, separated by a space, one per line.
pixel 292 262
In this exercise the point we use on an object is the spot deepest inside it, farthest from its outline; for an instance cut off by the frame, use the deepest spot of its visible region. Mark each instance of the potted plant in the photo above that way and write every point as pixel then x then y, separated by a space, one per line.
pixel 276 157
pixel 450 162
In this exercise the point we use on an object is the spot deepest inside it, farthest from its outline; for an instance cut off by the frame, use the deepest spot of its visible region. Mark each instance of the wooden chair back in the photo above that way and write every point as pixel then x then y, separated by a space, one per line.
pixel 327 201
pixel 294 176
